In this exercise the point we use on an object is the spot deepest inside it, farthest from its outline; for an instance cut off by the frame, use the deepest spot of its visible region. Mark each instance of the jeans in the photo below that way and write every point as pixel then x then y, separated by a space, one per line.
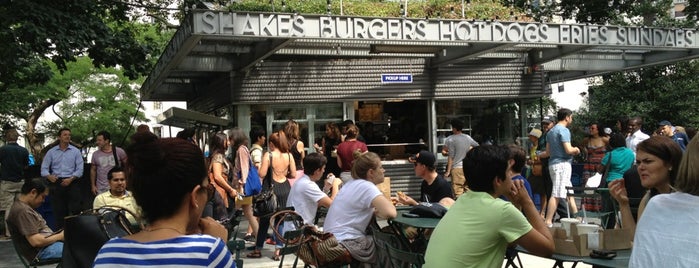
pixel 53 251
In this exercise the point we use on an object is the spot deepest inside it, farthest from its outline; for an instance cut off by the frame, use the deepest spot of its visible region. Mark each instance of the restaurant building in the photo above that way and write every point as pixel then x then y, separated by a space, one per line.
pixel 399 79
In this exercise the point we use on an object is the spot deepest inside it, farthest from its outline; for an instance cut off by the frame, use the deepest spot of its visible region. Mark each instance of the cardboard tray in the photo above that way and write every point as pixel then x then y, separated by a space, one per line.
pixel 582 245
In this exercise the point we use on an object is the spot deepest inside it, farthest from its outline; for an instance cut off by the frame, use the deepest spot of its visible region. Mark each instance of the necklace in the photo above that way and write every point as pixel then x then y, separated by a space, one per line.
pixel 164 228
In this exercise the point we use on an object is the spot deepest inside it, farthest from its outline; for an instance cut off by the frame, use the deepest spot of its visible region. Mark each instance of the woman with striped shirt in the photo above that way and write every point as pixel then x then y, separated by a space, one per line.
pixel 169 181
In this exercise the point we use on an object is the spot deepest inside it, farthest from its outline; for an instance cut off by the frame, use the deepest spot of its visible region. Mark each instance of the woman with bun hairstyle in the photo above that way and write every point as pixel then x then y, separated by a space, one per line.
pixel 355 205
pixel 169 181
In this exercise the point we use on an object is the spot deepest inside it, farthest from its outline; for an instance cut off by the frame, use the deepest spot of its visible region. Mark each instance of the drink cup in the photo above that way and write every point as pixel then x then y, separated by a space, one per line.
pixel 566 222
pixel 586 228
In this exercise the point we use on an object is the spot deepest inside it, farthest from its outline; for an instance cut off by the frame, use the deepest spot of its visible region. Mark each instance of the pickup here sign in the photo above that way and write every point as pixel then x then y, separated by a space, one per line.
pixel 396 78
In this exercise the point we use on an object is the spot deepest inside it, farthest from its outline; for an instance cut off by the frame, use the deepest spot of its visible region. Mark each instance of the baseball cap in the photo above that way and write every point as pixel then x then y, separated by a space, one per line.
pixel 424 157
pixel 535 132
pixel 664 123
pixel 546 119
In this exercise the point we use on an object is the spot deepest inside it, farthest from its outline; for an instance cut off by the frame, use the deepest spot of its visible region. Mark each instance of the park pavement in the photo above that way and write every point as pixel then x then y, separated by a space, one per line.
pixel 9 259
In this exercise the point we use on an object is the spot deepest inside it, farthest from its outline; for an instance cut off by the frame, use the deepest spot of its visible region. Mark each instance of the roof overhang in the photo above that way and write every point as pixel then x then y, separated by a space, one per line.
pixel 211 44
pixel 178 117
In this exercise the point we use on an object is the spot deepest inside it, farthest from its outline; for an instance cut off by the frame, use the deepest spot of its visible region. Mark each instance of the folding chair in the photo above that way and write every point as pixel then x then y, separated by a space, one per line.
pixel 235 245
pixel 589 192
pixel 382 241
pixel 401 258
pixel 293 243
pixel 511 254
pixel 24 258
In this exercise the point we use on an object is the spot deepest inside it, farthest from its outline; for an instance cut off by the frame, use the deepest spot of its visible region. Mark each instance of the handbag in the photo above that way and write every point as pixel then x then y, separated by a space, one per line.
pixel 321 248
pixel 87 232
pixel 265 202
pixel 221 191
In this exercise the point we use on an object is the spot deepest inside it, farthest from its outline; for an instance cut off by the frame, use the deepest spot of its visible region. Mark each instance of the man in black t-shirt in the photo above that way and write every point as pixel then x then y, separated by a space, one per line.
pixel 434 187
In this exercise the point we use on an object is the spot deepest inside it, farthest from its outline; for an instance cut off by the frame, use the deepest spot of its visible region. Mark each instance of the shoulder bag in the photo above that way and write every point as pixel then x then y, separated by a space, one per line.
pixel 253 186
pixel 87 232
pixel 315 247
pixel 219 188
pixel 265 203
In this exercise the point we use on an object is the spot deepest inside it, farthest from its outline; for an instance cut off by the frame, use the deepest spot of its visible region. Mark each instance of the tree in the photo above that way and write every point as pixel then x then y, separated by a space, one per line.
pixel 33 32
pixel 654 93
pixel 95 99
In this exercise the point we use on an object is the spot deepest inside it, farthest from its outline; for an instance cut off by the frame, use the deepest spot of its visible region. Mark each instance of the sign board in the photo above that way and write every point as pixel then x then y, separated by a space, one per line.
pixel 396 78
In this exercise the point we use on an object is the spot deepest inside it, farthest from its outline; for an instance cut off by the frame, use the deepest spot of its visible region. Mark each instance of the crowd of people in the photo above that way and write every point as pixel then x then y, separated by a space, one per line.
pixel 498 195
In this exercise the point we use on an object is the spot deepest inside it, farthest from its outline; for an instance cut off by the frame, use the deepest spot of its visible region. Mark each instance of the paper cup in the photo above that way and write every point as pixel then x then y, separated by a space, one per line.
pixel 566 222
pixel 586 228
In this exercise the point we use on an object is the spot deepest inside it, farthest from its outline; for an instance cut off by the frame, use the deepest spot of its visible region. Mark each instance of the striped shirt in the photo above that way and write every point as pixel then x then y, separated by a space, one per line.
pixel 183 251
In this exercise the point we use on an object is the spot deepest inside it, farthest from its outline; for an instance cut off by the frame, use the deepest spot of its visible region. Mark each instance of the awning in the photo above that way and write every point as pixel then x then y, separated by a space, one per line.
pixel 178 117
pixel 211 47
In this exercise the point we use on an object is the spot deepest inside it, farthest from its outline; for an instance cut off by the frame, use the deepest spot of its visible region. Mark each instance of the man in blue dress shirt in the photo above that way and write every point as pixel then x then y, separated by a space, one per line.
pixel 62 166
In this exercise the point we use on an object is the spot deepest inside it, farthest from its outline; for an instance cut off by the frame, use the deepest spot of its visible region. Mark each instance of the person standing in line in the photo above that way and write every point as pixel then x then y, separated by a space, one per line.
pixel 561 154
pixel 62 166
pixel 258 137
pixel 328 148
pixel 296 148
pixel 595 146
pixel 636 136
pixel 458 144
pixel 346 149
pixel 241 167
pixel 542 154
pixel 14 159
pixel 104 160
pixel 276 163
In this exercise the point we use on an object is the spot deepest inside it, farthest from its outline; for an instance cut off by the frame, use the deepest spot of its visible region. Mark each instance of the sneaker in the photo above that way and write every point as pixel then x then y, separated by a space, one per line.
pixel 270 241
pixel 4 238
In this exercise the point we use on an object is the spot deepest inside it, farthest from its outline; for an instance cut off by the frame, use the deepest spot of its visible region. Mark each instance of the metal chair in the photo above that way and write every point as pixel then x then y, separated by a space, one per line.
pixel 24 258
pixel 402 259
pixel 584 192
pixel 293 244
pixel 511 254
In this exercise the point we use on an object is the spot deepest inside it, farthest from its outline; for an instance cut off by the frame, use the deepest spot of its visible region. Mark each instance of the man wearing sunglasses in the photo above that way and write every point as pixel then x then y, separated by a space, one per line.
pixel 117 195
pixel 434 187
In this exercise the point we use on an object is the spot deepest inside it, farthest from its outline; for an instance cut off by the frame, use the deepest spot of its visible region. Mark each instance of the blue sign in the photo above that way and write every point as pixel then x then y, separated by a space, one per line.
pixel 396 78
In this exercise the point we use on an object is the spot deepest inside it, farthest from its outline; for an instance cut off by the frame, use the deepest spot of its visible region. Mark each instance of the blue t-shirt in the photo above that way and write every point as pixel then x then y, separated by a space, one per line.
pixel 536 199
pixel 555 139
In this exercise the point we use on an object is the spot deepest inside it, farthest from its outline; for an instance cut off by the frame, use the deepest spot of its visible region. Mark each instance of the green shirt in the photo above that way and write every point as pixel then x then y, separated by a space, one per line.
pixel 475 232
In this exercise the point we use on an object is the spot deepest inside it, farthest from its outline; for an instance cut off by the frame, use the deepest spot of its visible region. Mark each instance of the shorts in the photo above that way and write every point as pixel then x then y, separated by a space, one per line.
pixel 560 176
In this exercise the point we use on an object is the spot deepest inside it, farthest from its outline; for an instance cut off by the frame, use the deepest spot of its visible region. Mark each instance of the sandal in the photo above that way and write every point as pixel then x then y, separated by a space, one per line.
pixel 276 258
pixel 256 254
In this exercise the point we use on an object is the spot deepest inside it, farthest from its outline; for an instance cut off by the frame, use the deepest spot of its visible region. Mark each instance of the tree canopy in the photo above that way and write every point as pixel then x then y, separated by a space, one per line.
pixel 35 30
